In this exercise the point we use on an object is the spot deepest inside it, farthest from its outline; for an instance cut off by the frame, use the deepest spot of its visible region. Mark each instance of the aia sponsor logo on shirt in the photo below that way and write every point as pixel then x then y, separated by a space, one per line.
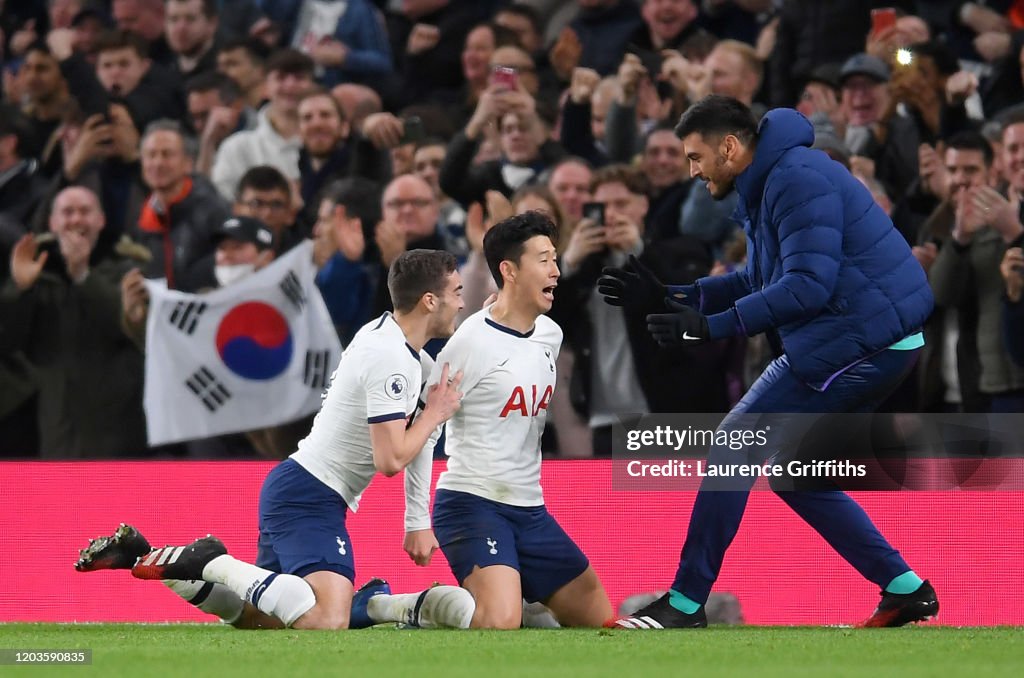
pixel 518 403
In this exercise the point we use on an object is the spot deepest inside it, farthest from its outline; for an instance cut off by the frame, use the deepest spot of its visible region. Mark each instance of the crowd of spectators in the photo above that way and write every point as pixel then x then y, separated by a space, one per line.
pixel 132 130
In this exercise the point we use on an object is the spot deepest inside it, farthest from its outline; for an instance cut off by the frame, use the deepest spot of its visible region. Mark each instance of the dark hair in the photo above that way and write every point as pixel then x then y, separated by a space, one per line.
pixel 263 178
pixel 1013 115
pixel 698 46
pixel 209 7
pixel 527 12
pixel 14 122
pixel 118 38
pixel 72 114
pixel 971 140
pixel 417 272
pixel 39 46
pixel 227 89
pixel 717 116
pixel 662 126
pixel 507 239
pixel 290 62
pixel 257 50
pixel 632 178
pixel 428 141
pixel 944 59
pixel 360 197
pixel 502 36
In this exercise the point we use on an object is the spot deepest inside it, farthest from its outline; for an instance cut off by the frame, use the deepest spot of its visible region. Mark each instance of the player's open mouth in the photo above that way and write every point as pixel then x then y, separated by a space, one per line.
pixel 549 292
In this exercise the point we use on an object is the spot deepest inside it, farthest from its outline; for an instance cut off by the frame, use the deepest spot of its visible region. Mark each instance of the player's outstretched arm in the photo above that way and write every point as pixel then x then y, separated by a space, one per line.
pixel 420 542
pixel 394 445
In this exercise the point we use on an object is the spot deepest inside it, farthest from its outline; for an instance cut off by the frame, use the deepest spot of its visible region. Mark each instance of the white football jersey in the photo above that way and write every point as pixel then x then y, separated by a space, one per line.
pixel 493 441
pixel 378 379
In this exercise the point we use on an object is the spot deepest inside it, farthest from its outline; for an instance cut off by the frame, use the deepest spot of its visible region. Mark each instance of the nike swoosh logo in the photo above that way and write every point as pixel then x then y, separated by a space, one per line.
pixel 502 363
pixel 687 337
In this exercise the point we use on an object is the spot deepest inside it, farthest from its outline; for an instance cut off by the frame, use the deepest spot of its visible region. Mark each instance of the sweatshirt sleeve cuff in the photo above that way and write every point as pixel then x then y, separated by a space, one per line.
pixel 725 324
pixel 417 523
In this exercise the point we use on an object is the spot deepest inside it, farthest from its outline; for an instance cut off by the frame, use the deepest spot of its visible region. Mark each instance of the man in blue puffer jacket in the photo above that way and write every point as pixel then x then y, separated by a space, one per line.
pixel 838 291
pixel 345 38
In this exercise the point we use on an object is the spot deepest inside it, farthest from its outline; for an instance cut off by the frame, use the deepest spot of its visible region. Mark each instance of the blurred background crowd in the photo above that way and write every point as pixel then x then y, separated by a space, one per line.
pixel 131 131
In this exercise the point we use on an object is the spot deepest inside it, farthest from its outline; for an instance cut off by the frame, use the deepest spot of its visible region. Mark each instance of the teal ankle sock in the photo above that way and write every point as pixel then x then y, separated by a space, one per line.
pixel 908 582
pixel 681 602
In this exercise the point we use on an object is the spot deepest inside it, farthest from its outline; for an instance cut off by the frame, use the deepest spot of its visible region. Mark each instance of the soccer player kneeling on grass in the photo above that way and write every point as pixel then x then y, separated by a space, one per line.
pixel 304 572
pixel 489 514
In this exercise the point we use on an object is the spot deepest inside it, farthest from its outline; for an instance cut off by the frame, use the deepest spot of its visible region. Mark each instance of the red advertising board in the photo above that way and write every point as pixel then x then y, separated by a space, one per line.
pixel 969 544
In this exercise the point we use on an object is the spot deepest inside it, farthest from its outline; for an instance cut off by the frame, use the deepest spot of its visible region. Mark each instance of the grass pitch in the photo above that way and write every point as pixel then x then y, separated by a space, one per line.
pixel 192 650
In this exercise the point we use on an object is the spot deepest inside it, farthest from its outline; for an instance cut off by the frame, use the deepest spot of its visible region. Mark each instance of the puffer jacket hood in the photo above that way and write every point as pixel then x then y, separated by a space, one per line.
pixel 826 269
pixel 780 130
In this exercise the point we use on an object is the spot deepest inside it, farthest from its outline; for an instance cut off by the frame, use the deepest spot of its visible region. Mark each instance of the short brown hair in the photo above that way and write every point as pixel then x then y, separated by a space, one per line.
pixel 632 178
pixel 263 178
pixel 208 7
pixel 317 91
pixel 290 62
pixel 118 38
pixel 417 272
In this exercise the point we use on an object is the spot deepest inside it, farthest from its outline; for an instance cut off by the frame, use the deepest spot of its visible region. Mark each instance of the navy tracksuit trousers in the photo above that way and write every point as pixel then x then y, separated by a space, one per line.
pixel 836 517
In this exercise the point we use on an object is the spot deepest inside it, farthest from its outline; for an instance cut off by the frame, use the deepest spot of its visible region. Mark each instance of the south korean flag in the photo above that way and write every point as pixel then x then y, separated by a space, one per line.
pixel 257 353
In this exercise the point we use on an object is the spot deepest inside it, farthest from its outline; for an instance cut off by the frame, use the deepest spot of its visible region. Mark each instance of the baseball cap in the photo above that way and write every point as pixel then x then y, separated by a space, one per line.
pixel 91 11
pixel 246 229
pixel 826 74
pixel 864 64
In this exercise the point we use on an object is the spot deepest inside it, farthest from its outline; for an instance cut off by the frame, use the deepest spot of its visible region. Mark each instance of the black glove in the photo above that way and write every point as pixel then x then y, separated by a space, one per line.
pixel 684 327
pixel 633 286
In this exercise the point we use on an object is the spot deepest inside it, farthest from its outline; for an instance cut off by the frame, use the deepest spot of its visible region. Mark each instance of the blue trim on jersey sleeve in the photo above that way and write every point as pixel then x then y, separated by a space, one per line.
pixel 385 417
pixel 381 323
pixel 509 330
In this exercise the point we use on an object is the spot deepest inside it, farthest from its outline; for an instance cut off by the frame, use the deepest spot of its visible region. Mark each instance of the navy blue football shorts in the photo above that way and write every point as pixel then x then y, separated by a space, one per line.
pixel 302 525
pixel 478 532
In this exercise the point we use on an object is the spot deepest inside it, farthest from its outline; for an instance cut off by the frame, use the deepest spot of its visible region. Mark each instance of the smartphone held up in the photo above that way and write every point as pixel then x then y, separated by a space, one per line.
pixel 505 77
pixel 594 211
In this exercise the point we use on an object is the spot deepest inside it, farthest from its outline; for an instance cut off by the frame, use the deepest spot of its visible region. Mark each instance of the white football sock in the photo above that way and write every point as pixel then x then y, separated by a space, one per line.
pixel 538 616
pixel 397 607
pixel 447 607
pixel 212 598
pixel 442 607
pixel 284 596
